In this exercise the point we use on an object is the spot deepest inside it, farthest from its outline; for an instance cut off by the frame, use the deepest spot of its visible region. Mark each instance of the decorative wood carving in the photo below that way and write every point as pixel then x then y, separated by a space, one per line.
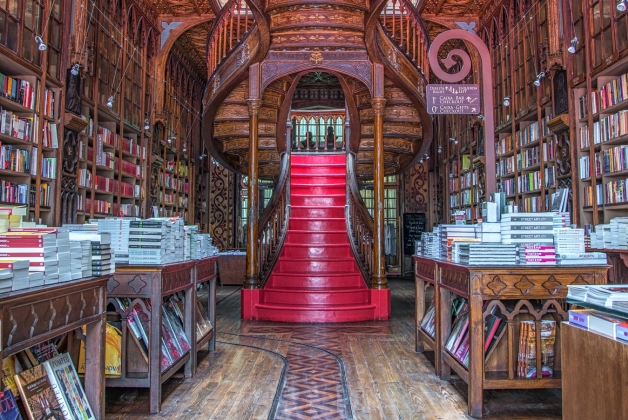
pixel 561 92
pixel 73 93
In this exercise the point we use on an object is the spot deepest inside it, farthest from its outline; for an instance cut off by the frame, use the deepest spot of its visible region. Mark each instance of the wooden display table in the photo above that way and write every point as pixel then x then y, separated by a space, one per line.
pixel 34 315
pixel 424 275
pixel 484 288
pixel 595 367
pixel 232 268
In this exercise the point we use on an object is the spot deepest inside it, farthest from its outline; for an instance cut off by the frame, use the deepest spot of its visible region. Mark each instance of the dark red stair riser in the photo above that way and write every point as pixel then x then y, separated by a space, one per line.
pixel 318 238
pixel 317 225
pixel 317 180
pixel 317 190
pixel 326 251
pixel 283 280
pixel 318 170
pixel 330 200
pixel 317 212
pixel 277 313
pixel 318 297
pixel 316 266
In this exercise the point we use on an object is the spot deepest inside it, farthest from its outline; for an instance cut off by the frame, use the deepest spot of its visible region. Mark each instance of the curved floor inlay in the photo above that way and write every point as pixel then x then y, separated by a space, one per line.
pixel 315 387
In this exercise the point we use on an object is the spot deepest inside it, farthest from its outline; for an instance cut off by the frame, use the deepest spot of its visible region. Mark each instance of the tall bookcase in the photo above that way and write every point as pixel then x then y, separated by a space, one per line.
pixel 30 98
pixel 600 98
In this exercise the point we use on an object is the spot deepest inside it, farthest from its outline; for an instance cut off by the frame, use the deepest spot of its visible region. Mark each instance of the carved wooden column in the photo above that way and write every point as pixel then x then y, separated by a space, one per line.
pixel 252 279
pixel 379 275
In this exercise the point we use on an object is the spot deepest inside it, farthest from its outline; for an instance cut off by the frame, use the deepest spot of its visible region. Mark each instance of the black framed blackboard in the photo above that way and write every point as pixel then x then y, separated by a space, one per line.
pixel 413 227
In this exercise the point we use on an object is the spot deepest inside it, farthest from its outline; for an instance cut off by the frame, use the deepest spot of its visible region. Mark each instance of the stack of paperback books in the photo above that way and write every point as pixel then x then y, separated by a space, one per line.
pixel 569 240
pixel 613 235
pixel 537 255
pixel 38 248
pixel 119 229
pixel 149 242
pixel 82 256
pixel 431 243
pixel 76 260
pixel 103 262
pixel 450 232
pixel 532 228
pixel 487 254
pixel 14 275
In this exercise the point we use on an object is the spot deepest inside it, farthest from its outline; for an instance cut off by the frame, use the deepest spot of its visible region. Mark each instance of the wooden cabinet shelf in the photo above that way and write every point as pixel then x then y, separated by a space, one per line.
pixel 485 287
pixel 29 317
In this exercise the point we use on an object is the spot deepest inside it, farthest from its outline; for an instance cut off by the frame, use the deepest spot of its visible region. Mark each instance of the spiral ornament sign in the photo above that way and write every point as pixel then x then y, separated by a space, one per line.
pixel 450 94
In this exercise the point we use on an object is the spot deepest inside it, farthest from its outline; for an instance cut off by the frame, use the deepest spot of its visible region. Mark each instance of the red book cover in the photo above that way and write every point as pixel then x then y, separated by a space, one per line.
pixel 35 229
pixel 22 254
pixel 22 235
pixel 491 334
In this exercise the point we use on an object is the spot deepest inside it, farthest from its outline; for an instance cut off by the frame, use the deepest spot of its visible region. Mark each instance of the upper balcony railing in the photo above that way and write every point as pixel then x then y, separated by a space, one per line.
pixel 233 23
pixel 405 26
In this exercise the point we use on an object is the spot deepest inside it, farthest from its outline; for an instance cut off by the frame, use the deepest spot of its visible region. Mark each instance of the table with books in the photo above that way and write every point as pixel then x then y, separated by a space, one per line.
pixel 597 331
pixel 40 314
pixel 155 343
pixel 487 321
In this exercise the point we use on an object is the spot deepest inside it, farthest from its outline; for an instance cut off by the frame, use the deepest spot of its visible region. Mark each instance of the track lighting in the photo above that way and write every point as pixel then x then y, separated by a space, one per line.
pixel 621 6
pixel 170 140
pixel 440 149
pixel 453 140
pixel 507 101
pixel 539 76
pixel 40 42
pixel 481 117
pixel 421 160
pixel 427 157
pixel 110 102
pixel 75 69
pixel 146 124
pixel 574 41
pixel 202 156
pixel 185 148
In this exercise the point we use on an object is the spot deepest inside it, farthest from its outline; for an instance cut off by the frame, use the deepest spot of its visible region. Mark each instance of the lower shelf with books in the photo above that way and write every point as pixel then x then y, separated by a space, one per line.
pixel 488 319
pixel 162 322
pixel 30 346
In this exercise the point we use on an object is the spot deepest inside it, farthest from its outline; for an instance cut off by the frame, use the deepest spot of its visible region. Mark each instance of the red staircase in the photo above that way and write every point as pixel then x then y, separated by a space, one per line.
pixel 316 278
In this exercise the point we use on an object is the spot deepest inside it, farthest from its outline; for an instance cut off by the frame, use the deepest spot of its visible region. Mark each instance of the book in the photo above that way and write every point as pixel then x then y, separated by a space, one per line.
pixel 38 396
pixel 67 386
pixel 8 406
pixel 41 352
pixel 10 366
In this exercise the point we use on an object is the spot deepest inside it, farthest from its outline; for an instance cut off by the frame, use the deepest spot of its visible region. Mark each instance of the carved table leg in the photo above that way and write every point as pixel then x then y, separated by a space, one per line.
pixel 419 311
pixel 211 303
pixel 94 367
pixel 188 319
pixel 445 329
pixel 476 352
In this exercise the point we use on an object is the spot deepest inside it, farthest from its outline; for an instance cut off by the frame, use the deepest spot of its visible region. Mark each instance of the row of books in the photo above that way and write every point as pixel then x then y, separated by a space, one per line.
pixel 84 177
pixel 607 128
pixel 528 157
pixel 612 192
pixel 103 183
pixel 45 194
pixel 503 146
pixel 613 235
pixel 18 90
pixel 613 92
pixel 528 352
pixel 507 186
pixel 532 181
pixel 11 192
pixel 49 103
pixel 131 146
pixel 50 135
pixel 505 166
pixel 534 204
pixel 608 161
pixel 165 180
pixel 16 126
pixel 99 206
pixel 13 158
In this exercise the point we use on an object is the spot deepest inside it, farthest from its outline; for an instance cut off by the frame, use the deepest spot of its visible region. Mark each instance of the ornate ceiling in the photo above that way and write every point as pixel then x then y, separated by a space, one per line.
pixel 193 45
pixel 452 8
pixel 182 8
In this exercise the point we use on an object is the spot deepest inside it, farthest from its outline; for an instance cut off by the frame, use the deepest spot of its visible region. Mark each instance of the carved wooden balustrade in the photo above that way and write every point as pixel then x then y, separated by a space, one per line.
pixel 359 224
pixel 273 223
pixel 234 22
pixel 405 26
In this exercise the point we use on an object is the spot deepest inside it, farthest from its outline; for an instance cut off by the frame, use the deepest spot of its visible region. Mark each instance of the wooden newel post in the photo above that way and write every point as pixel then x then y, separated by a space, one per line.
pixel 379 272
pixel 251 280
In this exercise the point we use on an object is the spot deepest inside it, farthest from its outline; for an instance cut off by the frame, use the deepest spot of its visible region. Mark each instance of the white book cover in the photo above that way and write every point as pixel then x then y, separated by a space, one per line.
pixel 66 382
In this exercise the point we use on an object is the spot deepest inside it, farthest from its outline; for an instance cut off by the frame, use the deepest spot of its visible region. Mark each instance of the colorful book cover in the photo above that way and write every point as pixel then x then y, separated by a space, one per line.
pixel 64 378
pixel 8 406
pixel 38 396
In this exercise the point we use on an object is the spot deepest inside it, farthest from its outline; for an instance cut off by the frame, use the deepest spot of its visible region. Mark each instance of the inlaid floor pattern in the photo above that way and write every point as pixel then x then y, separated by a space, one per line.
pixel 367 370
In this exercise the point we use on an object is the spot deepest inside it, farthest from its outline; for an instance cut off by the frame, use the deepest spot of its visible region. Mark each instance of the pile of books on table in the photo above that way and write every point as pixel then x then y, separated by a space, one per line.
pixel 119 229
pixel 613 235
pixel 485 253
pixel 537 255
pixel 40 249
pixel 14 275
pixel 611 319
pixel 532 228
pixel 149 242
pixel 102 260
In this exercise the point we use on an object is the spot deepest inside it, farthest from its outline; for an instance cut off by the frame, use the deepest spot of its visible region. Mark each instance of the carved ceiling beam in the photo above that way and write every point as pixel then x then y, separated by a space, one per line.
pixel 196 7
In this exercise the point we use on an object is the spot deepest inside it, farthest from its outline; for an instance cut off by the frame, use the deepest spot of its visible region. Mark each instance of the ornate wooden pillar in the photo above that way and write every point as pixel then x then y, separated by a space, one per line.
pixel 252 276
pixel 379 274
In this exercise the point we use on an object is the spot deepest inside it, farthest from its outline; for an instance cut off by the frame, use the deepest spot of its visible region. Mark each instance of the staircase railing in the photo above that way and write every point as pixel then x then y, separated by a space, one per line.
pixel 359 224
pixel 273 223
pixel 233 23
pixel 406 28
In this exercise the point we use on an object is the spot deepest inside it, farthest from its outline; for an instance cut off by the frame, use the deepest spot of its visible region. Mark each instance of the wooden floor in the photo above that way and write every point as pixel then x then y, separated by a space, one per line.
pixel 368 370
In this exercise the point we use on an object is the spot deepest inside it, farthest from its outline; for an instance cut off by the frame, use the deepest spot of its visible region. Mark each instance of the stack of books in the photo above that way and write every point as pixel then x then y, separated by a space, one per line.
pixel 491 232
pixel 14 275
pixel 569 240
pixel 531 228
pixel 103 262
pixel 119 229
pixel 149 241
pixel 38 248
pixel 619 232
pixel 602 237
pixel 462 232
pixel 76 260
pixel 11 216
pixel 431 243
pixel 581 258
pixel 86 258
pixel 487 254
pixel 537 255
pixel 62 236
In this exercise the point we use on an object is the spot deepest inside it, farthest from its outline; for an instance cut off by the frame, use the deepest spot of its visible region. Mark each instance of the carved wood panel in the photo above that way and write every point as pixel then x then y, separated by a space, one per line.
pixel 531 283
pixel 425 270
pixel 206 269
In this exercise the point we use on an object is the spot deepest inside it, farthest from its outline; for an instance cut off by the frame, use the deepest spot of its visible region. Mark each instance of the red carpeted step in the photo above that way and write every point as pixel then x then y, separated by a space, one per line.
pixel 314 211
pixel 316 251
pixel 317 224
pixel 316 278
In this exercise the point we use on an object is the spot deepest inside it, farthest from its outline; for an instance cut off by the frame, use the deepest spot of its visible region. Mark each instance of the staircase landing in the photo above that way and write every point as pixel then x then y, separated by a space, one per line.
pixel 316 278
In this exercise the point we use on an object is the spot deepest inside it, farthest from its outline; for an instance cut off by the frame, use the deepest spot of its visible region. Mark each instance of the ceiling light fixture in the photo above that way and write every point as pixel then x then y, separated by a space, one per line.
pixel 574 41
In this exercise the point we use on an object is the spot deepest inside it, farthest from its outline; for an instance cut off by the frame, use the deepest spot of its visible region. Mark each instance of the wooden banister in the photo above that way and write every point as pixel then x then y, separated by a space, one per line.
pixel 359 224
pixel 233 23
pixel 273 223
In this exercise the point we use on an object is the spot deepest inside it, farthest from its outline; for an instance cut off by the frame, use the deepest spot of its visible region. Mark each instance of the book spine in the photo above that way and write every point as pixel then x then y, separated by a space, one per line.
pixel 57 390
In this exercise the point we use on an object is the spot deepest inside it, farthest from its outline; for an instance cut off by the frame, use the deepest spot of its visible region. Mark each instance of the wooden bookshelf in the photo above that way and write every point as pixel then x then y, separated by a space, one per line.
pixel 486 287
pixel 154 283
pixel 30 319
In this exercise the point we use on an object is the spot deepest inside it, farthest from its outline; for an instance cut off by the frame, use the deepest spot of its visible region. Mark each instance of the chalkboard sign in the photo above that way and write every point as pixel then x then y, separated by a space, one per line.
pixel 413 227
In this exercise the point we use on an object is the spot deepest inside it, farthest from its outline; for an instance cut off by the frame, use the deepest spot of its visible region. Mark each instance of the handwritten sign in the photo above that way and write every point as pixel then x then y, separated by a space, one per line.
pixel 413 227
pixel 453 99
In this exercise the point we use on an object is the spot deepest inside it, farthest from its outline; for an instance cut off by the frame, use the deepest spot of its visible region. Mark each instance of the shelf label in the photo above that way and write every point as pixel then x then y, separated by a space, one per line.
pixel 453 99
